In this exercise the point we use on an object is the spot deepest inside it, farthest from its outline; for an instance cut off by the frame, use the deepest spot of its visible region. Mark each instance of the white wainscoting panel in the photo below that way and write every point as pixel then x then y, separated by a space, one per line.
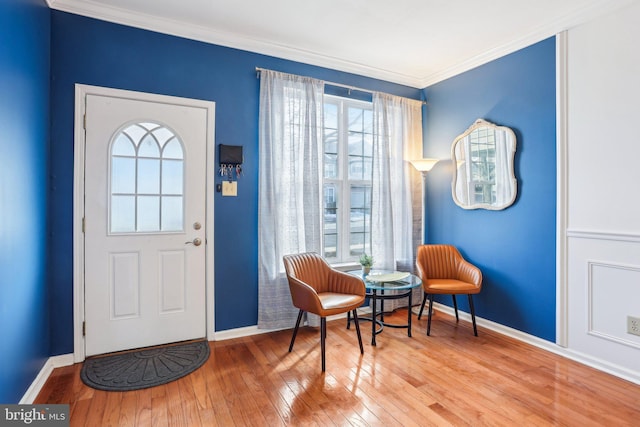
pixel 603 289
pixel 610 285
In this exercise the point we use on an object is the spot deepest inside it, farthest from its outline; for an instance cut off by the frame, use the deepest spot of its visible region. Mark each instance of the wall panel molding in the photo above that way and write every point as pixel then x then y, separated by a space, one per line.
pixel 615 288
pixel 603 235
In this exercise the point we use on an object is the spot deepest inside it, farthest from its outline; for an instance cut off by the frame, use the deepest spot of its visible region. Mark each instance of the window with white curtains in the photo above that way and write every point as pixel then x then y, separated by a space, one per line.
pixel 295 183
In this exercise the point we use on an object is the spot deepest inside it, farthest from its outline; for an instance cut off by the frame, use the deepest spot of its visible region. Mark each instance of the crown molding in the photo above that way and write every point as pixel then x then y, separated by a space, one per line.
pixel 587 13
pixel 103 12
pixel 201 33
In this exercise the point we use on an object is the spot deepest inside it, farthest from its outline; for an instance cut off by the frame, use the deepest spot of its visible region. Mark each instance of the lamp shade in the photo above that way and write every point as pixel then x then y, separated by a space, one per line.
pixel 424 165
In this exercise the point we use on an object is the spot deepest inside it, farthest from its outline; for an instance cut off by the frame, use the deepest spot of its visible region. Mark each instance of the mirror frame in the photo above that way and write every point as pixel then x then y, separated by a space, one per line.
pixel 510 158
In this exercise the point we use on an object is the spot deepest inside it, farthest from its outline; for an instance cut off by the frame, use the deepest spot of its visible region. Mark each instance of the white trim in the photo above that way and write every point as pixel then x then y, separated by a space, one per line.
pixel 81 92
pixel 201 33
pixel 36 386
pixel 591 301
pixel 254 330
pixel 603 235
pixel 78 214
pixel 562 188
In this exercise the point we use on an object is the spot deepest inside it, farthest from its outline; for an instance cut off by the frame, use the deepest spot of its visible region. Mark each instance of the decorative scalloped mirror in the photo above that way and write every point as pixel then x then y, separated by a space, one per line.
pixel 484 176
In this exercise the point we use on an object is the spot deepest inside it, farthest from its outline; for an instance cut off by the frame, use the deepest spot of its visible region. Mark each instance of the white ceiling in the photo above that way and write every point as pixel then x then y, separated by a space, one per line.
pixel 412 42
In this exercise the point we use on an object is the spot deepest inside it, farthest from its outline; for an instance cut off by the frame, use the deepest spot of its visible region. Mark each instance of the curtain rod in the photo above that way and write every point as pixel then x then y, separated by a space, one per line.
pixel 424 102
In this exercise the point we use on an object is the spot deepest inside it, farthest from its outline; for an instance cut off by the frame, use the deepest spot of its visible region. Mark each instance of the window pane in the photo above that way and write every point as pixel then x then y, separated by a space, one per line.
pixel 148 176
pixel 355 144
pixel 162 135
pixel 331 116
pixel 123 175
pixel 330 141
pixel 360 219
pixel 360 197
pixel 330 219
pixel 172 177
pixel 355 119
pixel 330 245
pixel 173 150
pixel 123 146
pixel 357 243
pixel 367 119
pixel 148 213
pixel 123 209
pixel 330 165
pixel 172 213
pixel 149 147
pixel 367 145
pixel 136 133
pixel 148 126
pixel 356 167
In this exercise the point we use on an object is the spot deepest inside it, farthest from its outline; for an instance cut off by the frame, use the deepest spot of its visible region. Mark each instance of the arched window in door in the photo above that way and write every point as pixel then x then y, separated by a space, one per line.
pixel 146 167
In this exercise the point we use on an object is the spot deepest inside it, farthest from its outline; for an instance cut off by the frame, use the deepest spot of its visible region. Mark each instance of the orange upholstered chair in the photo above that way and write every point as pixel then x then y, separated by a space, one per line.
pixel 319 289
pixel 444 271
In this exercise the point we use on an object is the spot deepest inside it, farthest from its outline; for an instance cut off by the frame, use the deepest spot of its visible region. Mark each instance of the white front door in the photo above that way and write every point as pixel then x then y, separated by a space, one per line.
pixel 145 222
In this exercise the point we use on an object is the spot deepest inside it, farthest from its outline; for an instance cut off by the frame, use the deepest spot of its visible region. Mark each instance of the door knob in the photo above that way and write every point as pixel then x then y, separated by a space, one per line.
pixel 196 242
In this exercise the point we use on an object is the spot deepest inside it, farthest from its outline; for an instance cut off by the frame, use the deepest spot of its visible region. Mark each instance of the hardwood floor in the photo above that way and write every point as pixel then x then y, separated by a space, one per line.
pixel 450 378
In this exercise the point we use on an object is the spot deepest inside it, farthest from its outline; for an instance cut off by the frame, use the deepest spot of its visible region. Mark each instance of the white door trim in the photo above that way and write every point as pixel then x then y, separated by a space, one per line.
pixel 81 92
pixel 562 188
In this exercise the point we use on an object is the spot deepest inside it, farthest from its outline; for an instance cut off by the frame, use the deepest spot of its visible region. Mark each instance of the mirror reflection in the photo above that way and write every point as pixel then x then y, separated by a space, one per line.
pixel 484 176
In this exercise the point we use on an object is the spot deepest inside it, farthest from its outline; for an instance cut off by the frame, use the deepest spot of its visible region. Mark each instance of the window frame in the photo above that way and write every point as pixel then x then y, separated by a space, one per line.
pixel 151 128
pixel 343 184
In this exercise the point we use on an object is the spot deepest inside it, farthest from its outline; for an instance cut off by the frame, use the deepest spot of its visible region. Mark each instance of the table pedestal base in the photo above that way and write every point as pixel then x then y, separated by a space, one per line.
pixel 377 318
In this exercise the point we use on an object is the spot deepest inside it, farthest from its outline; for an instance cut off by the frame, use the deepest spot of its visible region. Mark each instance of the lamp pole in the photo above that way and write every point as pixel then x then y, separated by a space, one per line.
pixel 423 166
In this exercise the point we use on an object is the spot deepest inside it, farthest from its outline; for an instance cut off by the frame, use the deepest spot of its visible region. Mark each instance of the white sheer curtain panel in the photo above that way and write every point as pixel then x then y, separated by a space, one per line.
pixel 395 232
pixel 289 190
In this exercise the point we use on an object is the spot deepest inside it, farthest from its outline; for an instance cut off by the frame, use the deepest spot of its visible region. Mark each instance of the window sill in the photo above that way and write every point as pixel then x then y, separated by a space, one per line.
pixel 346 266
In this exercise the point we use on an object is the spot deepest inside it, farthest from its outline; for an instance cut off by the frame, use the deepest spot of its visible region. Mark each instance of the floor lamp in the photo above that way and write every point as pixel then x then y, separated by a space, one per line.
pixel 423 166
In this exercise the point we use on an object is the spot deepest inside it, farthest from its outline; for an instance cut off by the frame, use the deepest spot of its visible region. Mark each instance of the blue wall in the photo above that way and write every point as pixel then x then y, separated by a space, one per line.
pixel 103 54
pixel 24 141
pixel 515 247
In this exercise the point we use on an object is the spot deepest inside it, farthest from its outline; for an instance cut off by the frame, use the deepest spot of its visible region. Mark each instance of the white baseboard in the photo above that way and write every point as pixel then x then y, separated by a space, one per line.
pixel 37 384
pixel 254 330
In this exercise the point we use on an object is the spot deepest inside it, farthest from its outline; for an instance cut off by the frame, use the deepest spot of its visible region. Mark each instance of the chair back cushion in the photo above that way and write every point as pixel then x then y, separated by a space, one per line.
pixel 309 268
pixel 438 261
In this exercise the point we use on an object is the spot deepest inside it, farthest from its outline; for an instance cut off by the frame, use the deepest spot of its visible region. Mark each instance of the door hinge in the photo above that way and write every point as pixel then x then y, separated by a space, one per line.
pixel 84 121
pixel 84 328
pixel 83 223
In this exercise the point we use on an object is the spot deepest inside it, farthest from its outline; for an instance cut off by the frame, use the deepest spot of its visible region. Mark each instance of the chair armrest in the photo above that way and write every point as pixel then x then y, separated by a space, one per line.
pixel 304 296
pixel 421 273
pixel 469 273
pixel 345 283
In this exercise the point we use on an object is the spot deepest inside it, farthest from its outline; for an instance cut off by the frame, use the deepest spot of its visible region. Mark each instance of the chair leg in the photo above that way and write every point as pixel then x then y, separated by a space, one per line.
pixel 473 316
pixel 424 299
pixel 355 319
pixel 455 307
pixel 323 336
pixel 295 330
pixel 348 320
pixel 430 314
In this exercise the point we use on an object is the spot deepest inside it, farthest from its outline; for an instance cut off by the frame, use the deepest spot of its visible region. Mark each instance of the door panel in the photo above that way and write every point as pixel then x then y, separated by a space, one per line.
pixel 145 181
